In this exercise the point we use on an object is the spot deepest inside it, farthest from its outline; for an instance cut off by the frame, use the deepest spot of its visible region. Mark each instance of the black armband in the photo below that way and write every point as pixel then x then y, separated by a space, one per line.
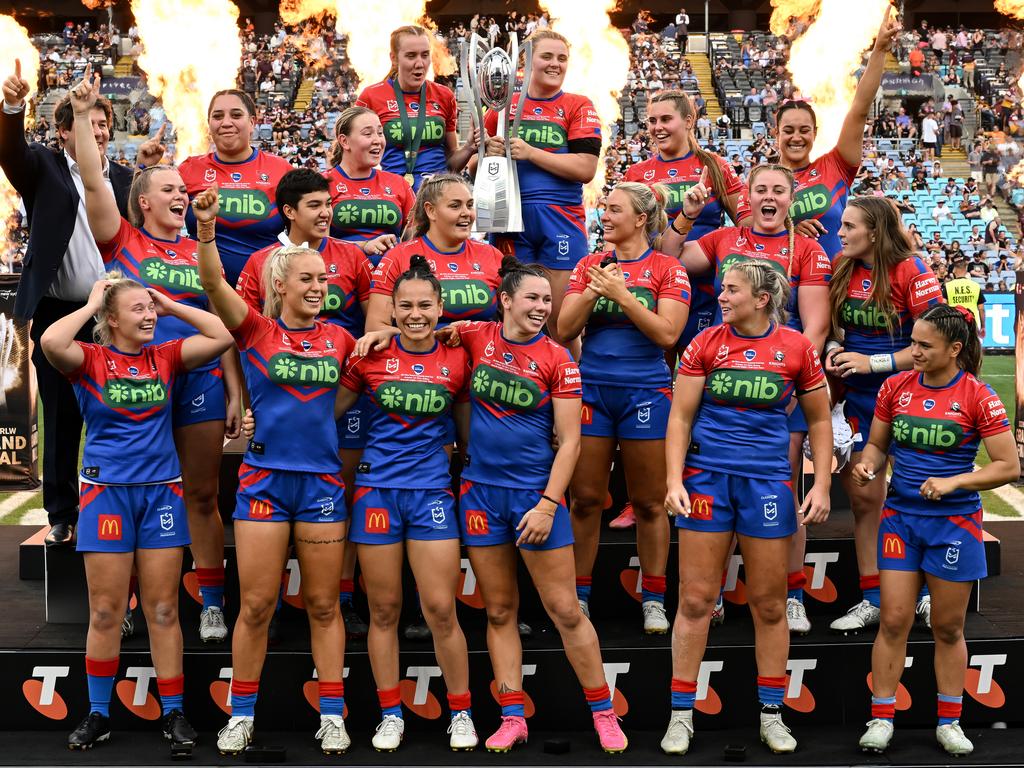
pixel 585 147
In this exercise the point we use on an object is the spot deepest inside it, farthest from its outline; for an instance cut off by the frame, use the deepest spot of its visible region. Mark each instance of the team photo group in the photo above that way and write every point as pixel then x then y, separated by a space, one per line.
pixel 435 294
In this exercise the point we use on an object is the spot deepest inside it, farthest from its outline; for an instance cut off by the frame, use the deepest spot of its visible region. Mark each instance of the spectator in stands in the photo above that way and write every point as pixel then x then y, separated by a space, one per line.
pixel 935 245
pixel 936 166
pixel 954 120
pixel 920 183
pixel 752 99
pixel 971 186
pixel 916 61
pixel 682 29
pixel 977 266
pixel 990 167
pixel 951 188
pixel 929 135
pixel 941 212
pixel 969 209
pixel 905 205
pixel 976 237
pixel 988 211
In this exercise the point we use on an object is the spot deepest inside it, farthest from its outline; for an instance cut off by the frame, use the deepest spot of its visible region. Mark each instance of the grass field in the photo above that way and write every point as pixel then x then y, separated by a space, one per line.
pixel 997 370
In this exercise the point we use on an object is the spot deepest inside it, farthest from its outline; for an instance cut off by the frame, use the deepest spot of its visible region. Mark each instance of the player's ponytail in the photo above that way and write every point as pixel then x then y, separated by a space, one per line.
pixel 419 269
pixel 957 325
pixel 764 278
pixel 648 201
pixel 276 270
pixel 512 271
pixel 430 192
pixel 101 333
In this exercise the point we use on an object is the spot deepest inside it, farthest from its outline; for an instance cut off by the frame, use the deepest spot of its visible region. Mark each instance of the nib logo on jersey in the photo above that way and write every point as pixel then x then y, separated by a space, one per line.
pixel 861 315
pixel 465 297
pixel 42 695
pixel 927 435
pixel 676 193
pixel 413 398
pixel 607 310
pixel 747 388
pixel 176 277
pixel 542 134
pixel 336 300
pixel 367 213
pixel 433 130
pixel 733 259
pixel 134 393
pixel 286 368
pixel 244 205
pixel 810 202
pixel 493 386
pixel 134 693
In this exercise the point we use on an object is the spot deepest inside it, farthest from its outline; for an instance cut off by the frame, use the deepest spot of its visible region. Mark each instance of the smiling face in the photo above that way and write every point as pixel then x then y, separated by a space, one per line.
pixel 737 300
pixel 668 128
pixel 416 309
pixel 771 195
pixel 411 60
pixel 452 215
pixel 230 124
pixel 619 220
pixel 304 287
pixel 132 319
pixel 364 143
pixel 164 202
pixel 310 219
pixel 529 308
pixel 550 62
pixel 795 136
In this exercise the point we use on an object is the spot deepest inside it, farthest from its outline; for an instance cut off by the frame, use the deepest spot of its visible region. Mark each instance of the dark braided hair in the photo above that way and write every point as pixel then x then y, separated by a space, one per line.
pixel 512 271
pixel 957 324
pixel 419 269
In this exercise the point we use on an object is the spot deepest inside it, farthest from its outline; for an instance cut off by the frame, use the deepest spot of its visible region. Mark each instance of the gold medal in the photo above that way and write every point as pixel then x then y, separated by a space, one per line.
pixel 410 179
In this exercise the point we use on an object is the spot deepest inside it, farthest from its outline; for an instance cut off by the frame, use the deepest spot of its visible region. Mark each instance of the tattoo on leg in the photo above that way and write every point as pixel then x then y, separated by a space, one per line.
pixel 506 688
pixel 301 540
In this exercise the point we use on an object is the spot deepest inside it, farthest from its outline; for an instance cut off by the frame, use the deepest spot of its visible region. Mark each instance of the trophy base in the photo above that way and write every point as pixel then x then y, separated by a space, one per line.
pixel 496 196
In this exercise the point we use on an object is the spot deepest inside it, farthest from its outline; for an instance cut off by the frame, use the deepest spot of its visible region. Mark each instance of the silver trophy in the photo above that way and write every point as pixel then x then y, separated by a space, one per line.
pixel 491 78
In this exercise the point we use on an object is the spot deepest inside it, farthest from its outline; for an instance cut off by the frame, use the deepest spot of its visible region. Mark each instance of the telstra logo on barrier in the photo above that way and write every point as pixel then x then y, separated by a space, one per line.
pixel 42 694
pixel 134 693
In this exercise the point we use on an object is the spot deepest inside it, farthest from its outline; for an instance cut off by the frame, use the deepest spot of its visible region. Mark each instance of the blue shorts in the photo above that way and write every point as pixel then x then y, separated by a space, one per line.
pixel 123 518
pixel 198 397
pixel 950 548
pixel 751 506
pixel 860 412
pixel 489 514
pixel 352 425
pixel 629 414
pixel 703 308
pixel 391 515
pixel 796 420
pixel 281 496
pixel 554 236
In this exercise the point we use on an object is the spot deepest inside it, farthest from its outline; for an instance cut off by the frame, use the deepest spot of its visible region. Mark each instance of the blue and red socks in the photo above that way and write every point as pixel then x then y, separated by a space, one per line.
pixel 460 702
pixel 346 589
pixel 599 699
pixel 770 692
pixel 684 693
pixel 390 701
pixel 243 697
pixel 99 675
pixel 172 693
pixel 949 708
pixel 211 586
pixel 513 704
pixel 583 588
pixel 652 588
pixel 870 589
pixel 332 697
pixel 795 583
pixel 883 708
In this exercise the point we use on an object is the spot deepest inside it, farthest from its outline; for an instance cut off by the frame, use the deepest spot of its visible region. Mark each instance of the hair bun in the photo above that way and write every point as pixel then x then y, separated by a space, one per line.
pixel 418 263
pixel 509 264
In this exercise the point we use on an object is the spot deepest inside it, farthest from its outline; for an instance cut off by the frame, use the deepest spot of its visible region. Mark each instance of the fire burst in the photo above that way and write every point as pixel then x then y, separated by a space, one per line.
pixel 15 43
pixel 186 82
pixel 599 55
pixel 367 28
pixel 824 57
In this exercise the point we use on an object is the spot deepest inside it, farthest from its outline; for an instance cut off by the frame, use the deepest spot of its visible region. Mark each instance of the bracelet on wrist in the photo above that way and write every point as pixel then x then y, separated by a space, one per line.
pixel 688 218
pixel 882 363
pixel 548 498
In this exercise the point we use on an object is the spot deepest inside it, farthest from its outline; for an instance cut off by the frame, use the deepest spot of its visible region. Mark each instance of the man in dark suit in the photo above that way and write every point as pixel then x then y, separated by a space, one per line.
pixel 60 266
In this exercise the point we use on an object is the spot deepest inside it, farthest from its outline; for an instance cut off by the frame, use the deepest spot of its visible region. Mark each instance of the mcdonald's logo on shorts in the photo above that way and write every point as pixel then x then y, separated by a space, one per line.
pixel 109 527
pixel 587 414
pixel 476 523
pixel 701 506
pixel 377 521
pixel 260 509
pixel 893 546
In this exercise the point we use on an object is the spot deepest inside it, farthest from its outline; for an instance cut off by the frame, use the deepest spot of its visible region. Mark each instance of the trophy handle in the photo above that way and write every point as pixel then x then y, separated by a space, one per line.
pixel 527 74
pixel 478 106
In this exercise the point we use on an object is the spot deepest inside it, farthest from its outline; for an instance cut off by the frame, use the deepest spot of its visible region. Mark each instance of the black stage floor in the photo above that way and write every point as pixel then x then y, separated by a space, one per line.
pixel 822 746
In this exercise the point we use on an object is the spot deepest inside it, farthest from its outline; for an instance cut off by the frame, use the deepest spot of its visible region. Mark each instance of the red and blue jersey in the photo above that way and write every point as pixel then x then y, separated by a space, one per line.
pixel 248 218
pixel 411 397
pixel 126 402
pixel 615 352
pixel 469 276
pixel 748 384
pixel 168 266
pixel 366 208
pixel 348 283
pixel 822 189
pixel 936 432
pixel 870 331
pixel 293 376
pixel 807 265
pixel 441 115
pixel 511 387
pixel 550 124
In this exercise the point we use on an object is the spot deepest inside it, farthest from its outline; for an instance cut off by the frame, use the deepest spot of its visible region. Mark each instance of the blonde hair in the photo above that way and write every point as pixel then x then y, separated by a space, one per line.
pixel 278 265
pixel 547 34
pixel 343 127
pixel 763 277
pixel 430 191
pixel 649 201
pixel 102 332
pixel 396 41
pixel 790 227
pixel 140 186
